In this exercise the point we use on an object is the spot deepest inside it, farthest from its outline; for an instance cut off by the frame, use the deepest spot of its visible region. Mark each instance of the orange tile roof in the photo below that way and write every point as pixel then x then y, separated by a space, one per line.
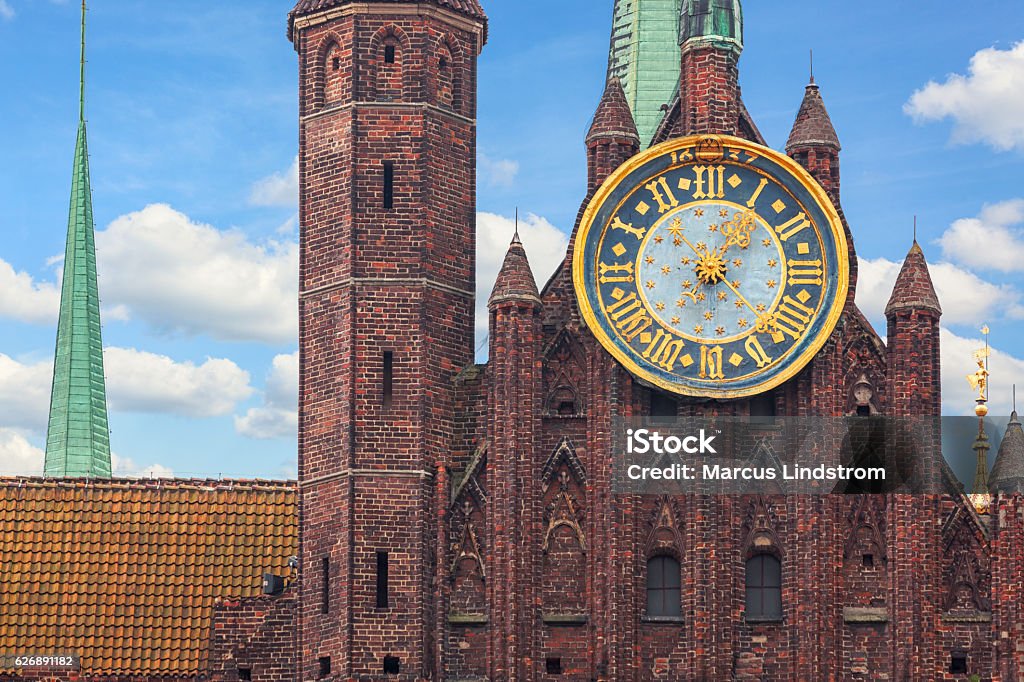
pixel 126 573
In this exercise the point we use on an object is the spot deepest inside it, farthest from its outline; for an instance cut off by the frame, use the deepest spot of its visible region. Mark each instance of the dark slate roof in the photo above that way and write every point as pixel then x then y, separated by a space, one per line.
pixel 813 127
pixel 515 279
pixel 1008 471
pixel 470 8
pixel 613 117
pixel 914 287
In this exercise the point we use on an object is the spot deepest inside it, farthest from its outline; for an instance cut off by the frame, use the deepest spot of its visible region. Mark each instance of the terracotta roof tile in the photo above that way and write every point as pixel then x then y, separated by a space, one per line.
pixel 126 572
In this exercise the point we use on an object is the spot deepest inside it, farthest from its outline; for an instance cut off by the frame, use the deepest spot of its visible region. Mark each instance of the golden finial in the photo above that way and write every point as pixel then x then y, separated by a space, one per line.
pixel 979 380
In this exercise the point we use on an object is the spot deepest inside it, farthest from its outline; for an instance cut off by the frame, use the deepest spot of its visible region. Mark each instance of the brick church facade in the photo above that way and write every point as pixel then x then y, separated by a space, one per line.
pixel 457 520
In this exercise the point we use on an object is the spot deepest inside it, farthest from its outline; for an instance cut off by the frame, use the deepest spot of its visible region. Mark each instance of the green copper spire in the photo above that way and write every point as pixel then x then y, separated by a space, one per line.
pixel 77 437
pixel 645 58
pixel 718 23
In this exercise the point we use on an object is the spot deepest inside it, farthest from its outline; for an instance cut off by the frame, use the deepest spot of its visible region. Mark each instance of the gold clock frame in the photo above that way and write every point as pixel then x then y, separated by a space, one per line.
pixel 796 363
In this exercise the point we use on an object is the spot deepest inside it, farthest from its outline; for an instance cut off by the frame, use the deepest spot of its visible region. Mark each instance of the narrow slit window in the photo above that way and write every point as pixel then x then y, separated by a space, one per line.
pixel 553 666
pixel 389 184
pixel 325 666
pixel 245 674
pixel 325 585
pixel 389 54
pixel 392 665
pixel 388 382
pixel 382 580
pixel 336 63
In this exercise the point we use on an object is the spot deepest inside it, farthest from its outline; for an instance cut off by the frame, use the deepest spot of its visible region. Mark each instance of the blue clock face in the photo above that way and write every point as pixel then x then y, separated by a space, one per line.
pixel 711 266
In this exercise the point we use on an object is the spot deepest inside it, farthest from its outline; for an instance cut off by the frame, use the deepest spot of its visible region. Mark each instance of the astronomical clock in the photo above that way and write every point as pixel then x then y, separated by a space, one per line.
pixel 711 267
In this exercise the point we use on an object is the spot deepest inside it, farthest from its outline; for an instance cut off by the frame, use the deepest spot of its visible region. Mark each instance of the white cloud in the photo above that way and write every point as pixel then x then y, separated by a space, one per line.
pixel 986 105
pixel 26 300
pixel 498 172
pixel 6 11
pixel 18 457
pixel 125 467
pixel 24 394
pixel 957 395
pixel 545 246
pixel 278 417
pixel 182 276
pixel 965 298
pixel 989 240
pixel 138 381
pixel 278 189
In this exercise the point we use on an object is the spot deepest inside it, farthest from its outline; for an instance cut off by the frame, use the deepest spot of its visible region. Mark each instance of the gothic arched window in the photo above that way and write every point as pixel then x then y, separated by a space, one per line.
pixel 663 583
pixel 764 588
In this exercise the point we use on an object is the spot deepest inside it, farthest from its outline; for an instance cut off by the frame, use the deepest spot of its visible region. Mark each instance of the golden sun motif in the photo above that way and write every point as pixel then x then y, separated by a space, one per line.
pixel 711 268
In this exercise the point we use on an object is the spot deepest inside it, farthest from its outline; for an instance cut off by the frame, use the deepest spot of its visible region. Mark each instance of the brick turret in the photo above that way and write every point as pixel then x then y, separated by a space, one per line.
pixel 915 399
pixel 814 144
pixel 1007 485
pixel 913 314
pixel 711 41
pixel 387 184
pixel 513 423
pixel 813 141
pixel 612 138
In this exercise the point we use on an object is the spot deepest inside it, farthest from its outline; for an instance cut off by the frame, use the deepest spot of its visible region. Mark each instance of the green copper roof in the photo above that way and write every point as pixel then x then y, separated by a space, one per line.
pixel 716 22
pixel 645 58
pixel 77 437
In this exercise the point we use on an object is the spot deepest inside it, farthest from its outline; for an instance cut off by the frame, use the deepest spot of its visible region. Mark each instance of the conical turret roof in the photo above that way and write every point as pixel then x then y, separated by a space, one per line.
pixel 914 288
pixel 613 117
pixel 515 279
pixel 813 126
pixel 1008 471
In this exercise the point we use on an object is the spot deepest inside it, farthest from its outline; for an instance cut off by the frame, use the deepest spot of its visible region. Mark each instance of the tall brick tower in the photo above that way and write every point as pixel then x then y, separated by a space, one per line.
pixel 387 149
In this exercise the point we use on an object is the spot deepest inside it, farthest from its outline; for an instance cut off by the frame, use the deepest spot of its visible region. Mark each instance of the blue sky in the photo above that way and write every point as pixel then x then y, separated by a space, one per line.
pixel 192 118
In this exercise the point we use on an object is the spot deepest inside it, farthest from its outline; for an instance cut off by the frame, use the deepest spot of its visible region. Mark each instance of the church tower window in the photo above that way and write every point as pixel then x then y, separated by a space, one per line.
pixel 663 588
pixel 764 588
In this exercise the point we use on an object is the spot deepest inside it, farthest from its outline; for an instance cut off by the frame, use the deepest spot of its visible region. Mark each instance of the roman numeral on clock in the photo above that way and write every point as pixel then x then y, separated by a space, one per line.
pixel 711 363
pixel 791 318
pixel 710 181
pixel 791 227
pixel 619 273
pixel 664 350
pixel 629 317
pixel 756 352
pixel 757 193
pixel 637 232
pixel 805 272
pixel 662 194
